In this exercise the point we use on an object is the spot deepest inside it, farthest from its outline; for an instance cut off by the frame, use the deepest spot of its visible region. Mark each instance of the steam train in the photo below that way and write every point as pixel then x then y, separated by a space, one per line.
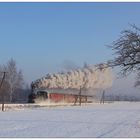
pixel 58 95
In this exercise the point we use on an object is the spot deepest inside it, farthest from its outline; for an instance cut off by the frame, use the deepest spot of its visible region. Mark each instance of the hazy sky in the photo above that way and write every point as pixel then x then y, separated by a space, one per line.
pixel 48 37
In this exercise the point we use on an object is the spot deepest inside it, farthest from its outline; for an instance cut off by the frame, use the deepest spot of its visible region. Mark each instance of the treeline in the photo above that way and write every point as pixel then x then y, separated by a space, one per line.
pixel 121 98
pixel 12 85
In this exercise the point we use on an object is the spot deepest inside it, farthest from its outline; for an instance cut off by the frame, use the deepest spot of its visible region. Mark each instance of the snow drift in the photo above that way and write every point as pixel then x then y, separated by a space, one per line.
pixel 109 120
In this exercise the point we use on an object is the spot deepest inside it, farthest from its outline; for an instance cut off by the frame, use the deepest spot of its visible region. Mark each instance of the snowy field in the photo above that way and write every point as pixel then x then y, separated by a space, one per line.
pixel 97 120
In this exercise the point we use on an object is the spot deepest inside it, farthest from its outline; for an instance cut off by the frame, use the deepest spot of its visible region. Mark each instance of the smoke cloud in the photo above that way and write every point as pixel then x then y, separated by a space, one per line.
pixel 90 77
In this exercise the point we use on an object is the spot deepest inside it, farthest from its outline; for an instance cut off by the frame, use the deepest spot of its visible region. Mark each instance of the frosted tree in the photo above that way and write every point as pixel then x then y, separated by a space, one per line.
pixel 14 78
pixel 127 52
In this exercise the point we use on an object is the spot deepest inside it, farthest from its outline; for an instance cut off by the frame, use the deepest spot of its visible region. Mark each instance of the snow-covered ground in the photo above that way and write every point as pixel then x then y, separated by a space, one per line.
pixel 96 120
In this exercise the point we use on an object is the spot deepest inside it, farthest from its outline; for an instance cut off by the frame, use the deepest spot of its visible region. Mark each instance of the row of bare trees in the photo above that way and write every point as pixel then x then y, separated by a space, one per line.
pixel 12 82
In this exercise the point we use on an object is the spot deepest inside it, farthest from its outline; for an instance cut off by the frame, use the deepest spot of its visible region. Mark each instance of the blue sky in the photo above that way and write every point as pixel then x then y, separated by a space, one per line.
pixel 47 37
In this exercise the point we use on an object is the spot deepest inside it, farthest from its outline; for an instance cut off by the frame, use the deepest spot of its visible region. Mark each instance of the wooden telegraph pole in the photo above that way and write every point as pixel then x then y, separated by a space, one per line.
pixel 103 97
pixel 80 98
pixel 4 73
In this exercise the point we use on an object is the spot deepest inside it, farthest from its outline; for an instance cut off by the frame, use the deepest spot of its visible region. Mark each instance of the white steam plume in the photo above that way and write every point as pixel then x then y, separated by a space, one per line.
pixel 89 78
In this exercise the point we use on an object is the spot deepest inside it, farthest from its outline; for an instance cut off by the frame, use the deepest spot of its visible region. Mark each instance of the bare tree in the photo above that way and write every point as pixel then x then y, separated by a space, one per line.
pixel 127 52
pixel 14 78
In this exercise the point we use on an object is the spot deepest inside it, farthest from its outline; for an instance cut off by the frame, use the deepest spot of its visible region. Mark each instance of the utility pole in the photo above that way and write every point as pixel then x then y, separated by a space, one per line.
pixel 80 98
pixel 4 73
pixel 103 97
